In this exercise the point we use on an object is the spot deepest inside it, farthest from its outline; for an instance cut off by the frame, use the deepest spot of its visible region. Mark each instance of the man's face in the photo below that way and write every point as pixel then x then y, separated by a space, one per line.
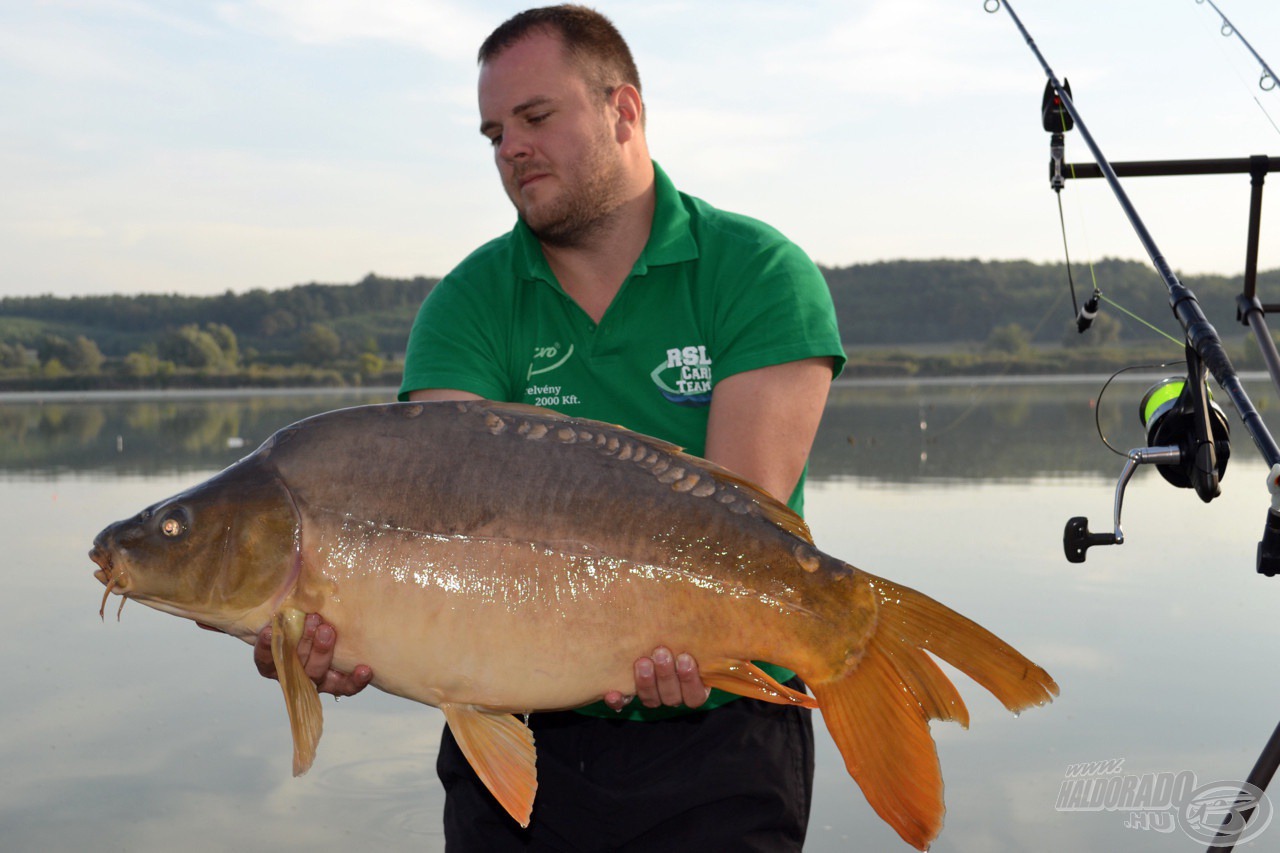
pixel 553 138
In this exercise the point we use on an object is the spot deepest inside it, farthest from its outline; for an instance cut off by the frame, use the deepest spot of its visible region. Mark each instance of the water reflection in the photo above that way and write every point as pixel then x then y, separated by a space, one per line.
pixel 983 430
pixel 150 734
pixel 894 433
pixel 151 434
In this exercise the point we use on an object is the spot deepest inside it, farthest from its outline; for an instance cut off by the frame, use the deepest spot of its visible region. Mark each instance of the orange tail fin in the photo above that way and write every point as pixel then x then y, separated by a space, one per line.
pixel 879 713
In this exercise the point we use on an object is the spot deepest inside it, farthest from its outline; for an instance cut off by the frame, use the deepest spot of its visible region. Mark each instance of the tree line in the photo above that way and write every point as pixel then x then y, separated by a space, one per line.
pixel 358 331
pixel 275 322
pixel 959 301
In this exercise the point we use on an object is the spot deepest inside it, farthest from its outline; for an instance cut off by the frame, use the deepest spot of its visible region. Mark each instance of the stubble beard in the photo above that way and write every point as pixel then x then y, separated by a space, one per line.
pixel 588 204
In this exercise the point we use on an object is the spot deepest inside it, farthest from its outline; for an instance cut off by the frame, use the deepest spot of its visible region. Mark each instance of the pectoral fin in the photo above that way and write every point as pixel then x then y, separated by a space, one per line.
pixel 500 750
pixel 746 679
pixel 306 720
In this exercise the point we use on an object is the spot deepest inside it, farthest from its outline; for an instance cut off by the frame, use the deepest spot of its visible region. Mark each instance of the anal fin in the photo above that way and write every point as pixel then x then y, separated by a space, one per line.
pixel 746 679
pixel 301 699
pixel 500 749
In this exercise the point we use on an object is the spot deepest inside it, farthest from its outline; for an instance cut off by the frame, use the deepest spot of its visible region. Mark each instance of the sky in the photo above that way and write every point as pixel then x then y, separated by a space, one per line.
pixel 201 147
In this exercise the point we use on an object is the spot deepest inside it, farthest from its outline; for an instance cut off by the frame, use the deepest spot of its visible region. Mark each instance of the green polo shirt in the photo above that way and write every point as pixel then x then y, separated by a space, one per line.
pixel 711 295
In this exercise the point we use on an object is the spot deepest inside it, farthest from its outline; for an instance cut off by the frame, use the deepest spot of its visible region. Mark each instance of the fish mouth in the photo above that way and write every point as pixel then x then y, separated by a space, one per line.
pixel 106 573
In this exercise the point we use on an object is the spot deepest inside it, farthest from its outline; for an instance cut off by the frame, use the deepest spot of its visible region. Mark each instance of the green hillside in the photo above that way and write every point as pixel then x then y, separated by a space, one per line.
pixel 896 317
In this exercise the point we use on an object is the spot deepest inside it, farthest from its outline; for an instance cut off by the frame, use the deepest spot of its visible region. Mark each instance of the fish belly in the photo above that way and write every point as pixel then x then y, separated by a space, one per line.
pixel 525 626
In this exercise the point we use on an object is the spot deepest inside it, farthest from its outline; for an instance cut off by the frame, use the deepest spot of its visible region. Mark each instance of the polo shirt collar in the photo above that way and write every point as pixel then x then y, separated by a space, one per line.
pixel 670 236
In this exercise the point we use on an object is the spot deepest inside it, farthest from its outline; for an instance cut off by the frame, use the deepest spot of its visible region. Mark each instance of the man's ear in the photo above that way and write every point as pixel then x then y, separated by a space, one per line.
pixel 625 99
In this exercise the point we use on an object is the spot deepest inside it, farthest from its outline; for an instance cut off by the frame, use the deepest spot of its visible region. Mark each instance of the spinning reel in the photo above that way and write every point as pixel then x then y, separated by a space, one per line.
pixel 1188 441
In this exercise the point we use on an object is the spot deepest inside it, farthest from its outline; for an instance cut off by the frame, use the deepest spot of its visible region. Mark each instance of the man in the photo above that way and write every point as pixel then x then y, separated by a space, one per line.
pixel 617 298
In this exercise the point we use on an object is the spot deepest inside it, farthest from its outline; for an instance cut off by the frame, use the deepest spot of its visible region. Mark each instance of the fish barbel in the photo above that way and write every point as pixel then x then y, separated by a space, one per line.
pixel 495 559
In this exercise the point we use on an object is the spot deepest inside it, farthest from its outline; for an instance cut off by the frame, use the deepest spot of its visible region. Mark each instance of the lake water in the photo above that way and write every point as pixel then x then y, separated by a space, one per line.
pixel 150 734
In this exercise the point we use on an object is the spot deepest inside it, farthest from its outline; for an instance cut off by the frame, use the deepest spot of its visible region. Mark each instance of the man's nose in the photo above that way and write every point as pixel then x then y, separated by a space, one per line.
pixel 514 146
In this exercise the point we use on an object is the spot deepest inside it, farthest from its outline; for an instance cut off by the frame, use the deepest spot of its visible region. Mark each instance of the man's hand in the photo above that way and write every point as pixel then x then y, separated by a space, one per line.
pixel 664 680
pixel 315 650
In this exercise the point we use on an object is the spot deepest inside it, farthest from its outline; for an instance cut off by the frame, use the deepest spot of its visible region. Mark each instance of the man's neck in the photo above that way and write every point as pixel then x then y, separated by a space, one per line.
pixel 592 272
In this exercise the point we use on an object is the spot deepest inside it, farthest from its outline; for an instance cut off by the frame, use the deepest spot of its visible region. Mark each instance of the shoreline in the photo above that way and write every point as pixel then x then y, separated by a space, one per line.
pixel 80 396
pixel 389 391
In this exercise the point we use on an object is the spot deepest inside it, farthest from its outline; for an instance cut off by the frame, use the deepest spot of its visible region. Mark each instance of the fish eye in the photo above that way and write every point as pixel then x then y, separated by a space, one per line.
pixel 174 523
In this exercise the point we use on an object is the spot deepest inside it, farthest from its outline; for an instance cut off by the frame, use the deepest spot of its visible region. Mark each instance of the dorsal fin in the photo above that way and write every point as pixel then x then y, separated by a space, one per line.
pixel 524 410
pixel 771 508
pixel 521 409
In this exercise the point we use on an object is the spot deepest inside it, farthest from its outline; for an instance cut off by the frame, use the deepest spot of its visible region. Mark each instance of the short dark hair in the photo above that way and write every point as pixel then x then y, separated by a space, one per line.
pixel 591 40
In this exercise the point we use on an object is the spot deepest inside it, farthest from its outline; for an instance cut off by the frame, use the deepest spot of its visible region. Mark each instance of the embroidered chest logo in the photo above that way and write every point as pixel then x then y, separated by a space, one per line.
pixel 684 377
pixel 546 359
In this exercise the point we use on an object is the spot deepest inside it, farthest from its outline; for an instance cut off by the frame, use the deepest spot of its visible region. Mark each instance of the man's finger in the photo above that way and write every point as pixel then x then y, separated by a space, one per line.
pixel 646 687
pixel 664 673
pixel 693 691
pixel 617 700
pixel 318 659
pixel 304 648
pixel 344 684
pixel 262 654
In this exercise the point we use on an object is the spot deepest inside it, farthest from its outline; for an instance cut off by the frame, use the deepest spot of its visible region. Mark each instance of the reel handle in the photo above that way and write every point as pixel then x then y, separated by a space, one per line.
pixel 1076 539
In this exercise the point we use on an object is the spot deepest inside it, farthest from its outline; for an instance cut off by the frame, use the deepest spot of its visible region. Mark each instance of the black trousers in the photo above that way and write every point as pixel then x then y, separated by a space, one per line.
pixel 736 778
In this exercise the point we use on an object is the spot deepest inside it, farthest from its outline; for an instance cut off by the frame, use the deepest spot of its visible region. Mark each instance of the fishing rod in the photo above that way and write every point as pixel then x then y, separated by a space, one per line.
pixel 1229 29
pixel 1195 456
pixel 1204 349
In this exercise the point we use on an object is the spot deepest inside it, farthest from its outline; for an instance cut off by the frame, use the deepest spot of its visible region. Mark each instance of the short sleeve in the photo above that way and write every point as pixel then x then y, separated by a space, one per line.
pixel 458 341
pixel 773 306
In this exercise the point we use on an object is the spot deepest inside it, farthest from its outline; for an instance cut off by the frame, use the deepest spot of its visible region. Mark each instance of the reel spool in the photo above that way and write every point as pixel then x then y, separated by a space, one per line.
pixel 1168 412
